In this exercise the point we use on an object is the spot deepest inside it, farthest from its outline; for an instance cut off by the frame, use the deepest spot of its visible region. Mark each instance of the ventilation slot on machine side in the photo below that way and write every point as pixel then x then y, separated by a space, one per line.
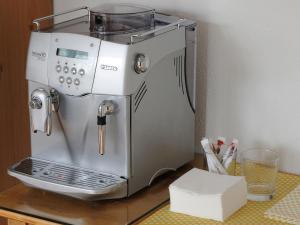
pixel 179 71
pixel 140 95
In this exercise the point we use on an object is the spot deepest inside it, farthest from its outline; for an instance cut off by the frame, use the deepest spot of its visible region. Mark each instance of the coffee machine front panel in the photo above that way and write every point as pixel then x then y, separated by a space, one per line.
pixel 75 139
pixel 72 63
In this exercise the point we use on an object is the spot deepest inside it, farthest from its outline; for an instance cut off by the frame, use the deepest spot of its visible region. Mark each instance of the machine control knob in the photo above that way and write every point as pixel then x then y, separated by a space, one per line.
pixel 61 79
pixel 73 70
pixel 36 103
pixel 76 81
pixel 69 80
pixel 66 69
pixel 81 72
pixel 58 68
pixel 141 63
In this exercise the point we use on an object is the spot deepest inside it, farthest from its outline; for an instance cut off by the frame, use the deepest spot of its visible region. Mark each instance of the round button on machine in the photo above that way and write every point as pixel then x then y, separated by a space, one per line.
pixel 73 70
pixel 58 68
pixel 81 72
pixel 66 69
pixel 61 79
pixel 69 80
pixel 76 81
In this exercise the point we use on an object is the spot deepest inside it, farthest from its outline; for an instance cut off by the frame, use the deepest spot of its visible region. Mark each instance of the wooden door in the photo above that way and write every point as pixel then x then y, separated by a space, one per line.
pixel 15 25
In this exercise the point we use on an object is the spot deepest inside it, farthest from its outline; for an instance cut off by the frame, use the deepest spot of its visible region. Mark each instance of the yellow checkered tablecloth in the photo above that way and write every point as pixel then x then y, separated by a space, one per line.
pixel 251 213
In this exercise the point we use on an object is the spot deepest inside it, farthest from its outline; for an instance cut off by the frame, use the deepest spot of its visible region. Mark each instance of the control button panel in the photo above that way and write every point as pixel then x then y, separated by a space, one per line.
pixel 78 73
pixel 72 63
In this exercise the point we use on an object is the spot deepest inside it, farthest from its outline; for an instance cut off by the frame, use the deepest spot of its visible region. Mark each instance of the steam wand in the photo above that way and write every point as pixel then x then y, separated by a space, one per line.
pixel 105 108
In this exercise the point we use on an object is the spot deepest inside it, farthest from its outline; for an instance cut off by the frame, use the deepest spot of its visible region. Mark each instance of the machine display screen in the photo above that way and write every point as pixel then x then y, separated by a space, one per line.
pixel 72 53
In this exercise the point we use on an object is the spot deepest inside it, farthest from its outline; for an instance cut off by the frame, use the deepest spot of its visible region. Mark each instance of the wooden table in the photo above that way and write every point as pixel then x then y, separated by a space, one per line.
pixel 22 205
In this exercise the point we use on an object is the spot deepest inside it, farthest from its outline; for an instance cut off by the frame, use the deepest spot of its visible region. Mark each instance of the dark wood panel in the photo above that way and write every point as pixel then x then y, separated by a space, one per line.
pixel 15 23
pixel 3 221
pixel 19 219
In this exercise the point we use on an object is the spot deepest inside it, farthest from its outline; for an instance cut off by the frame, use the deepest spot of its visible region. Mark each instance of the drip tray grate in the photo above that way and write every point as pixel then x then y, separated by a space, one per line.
pixel 65 175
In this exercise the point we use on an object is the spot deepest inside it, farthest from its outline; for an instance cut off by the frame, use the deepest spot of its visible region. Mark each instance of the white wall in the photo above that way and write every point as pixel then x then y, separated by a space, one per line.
pixel 248 69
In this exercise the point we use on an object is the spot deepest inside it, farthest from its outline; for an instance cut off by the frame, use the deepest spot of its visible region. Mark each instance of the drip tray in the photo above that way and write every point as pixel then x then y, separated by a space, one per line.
pixel 73 181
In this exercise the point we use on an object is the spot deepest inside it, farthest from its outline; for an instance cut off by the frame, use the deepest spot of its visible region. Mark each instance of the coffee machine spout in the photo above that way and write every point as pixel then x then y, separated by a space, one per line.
pixel 42 104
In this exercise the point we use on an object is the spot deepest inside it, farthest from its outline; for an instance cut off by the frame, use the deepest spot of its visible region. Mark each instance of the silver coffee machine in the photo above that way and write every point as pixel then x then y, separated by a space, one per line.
pixel 111 101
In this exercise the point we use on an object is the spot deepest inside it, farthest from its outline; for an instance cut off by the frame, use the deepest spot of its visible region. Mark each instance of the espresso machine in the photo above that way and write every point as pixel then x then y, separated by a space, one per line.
pixel 111 101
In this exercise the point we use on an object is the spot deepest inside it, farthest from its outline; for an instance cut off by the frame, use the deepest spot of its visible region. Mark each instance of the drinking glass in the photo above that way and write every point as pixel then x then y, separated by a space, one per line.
pixel 260 167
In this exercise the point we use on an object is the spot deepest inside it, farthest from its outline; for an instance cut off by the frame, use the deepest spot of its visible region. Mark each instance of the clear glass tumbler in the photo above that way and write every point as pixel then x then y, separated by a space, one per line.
pixel 260 167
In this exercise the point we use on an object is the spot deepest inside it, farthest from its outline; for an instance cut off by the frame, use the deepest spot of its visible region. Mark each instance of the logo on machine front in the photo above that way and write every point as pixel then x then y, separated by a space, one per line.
pixel 39 55
pixel 108 67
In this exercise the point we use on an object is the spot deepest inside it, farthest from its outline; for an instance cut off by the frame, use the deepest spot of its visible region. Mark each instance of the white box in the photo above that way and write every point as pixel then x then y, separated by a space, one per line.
pixel 208 195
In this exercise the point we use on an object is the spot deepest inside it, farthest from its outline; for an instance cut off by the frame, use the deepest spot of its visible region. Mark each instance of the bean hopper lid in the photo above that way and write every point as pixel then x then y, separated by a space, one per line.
pixel 112 19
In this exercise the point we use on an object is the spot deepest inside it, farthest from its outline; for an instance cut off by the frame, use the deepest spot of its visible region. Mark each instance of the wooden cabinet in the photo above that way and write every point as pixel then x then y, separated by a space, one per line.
pixel 15 22
pixel 19 219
